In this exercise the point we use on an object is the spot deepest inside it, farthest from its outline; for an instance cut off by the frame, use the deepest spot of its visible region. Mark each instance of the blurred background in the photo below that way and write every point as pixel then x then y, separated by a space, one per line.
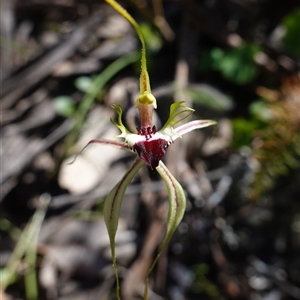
pixel 64 63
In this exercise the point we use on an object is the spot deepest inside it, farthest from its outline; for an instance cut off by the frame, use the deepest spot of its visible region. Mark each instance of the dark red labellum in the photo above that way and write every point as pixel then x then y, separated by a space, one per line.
pixel 151 151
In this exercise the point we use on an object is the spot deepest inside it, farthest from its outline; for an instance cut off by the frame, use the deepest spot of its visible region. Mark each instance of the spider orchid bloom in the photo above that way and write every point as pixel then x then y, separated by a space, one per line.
pixel 150 145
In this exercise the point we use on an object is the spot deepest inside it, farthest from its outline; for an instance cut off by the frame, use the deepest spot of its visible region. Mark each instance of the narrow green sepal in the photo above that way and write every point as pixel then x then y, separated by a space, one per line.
pixel 112 207
pixel 177 205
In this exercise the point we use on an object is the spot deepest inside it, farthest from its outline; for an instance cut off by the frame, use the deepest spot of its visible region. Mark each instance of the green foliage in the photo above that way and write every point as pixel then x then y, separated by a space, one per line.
pixel 260 110
pixel 272 131
pixel 202 285
pixel 291 38
pixel 64 106
pixel 243 130
pixel 236 65
pixel 152 36
pixel 83 83
pixel 25 251
pixel 91 87
pixel 207 96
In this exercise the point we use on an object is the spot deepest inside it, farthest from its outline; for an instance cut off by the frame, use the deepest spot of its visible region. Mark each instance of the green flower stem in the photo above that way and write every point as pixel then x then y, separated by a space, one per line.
pixel 146 102
pixel 144 77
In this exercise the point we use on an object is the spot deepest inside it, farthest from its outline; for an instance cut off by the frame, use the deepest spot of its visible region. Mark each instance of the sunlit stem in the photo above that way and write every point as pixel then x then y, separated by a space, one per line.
pixel 144 78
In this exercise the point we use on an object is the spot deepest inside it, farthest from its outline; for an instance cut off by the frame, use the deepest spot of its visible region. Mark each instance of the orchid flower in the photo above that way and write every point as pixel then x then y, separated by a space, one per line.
pixel 150 145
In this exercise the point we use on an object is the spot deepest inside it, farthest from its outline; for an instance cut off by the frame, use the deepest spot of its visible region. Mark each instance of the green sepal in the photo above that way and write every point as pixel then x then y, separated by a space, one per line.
pixel 111 211
pixel 178 112
pixel 177 205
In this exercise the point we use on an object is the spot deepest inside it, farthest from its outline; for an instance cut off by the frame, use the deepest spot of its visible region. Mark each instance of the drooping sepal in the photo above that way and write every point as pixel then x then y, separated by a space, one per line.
pixel 113 200
pixel 177 205
pixel 111 211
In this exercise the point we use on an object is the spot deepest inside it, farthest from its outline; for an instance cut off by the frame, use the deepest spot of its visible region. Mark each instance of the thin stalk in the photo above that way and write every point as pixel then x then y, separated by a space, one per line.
pixel 31 255
pixel 29 234
pixel 144 77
